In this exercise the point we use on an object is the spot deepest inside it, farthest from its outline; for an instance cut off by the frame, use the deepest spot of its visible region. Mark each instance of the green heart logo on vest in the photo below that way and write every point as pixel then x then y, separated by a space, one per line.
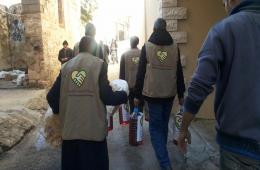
pixel 135 60
pixel 162 55
pixel 78 77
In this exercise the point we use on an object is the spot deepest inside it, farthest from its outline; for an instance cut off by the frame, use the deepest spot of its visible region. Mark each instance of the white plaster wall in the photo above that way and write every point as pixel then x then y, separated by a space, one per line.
pixel 152 12
pixel 72 20
pixel 137 24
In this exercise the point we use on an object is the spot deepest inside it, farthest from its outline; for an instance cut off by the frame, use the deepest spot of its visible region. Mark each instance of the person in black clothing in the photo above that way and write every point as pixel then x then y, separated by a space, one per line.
pixel 96 49
pixel 105 50
pixel 113 51
pixel 158 79
pixel 78 152
pixel 65 54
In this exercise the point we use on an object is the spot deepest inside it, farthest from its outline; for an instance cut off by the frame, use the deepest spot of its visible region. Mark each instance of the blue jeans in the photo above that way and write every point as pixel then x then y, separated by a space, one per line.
pixel 159 114
pixel 233 161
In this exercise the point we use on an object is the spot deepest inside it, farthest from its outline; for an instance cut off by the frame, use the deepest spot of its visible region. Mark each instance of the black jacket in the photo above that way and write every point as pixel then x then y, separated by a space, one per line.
pixel 107 95
pixel 96 50
pixel 65 53
pixel 158 38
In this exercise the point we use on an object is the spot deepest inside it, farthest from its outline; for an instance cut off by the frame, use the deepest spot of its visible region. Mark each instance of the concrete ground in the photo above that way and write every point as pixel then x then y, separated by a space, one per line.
pixel 7 85
pixel 16 98
pixel 20 111
pixel 34 154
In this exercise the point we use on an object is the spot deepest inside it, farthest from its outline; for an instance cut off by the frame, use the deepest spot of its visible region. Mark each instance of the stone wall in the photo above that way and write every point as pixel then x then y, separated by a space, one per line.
pixel 4 36
pixel 188 24
pixel 16 39
pixel 199 21
pixel 152 12
pixel 12 38
pixel 44 35
pixel 31 17
pixel 54 32
pixel 172 13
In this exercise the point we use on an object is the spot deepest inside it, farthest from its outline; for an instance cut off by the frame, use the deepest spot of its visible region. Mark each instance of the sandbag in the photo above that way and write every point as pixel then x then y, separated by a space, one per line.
pixel 52 128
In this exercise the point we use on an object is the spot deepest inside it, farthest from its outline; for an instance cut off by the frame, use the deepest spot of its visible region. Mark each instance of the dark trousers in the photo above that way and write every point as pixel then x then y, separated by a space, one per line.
pixel 131 102
pixel 233 161
pixel 84 155
pixel 159 114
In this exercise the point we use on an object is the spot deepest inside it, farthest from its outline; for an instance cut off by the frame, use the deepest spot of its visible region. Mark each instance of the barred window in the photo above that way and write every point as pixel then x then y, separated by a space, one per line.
pixel 61 12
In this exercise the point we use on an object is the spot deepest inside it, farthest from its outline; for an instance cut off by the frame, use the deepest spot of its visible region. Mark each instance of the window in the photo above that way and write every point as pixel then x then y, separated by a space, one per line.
pixel 61 12
pixel 121 35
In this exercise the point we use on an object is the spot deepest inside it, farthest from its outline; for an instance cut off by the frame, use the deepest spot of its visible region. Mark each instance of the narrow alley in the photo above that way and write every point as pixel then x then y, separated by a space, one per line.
pixel 39 36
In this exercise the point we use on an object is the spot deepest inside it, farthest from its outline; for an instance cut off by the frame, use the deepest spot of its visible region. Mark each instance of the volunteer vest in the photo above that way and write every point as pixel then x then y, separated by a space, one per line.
pixel 132 58
pixel 83 115
pixel 160 78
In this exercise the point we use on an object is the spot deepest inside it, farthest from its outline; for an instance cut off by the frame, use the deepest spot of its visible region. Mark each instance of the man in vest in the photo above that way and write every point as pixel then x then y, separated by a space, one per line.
pixel 230 61
pixel 128 69
pixel 96 49
pixel 79 96
pixel 159 79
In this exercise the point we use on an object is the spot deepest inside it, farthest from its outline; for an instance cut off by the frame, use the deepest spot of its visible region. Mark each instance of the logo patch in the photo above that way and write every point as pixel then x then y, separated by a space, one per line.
pixel 135 60
pixel 78 77
pixel 162 55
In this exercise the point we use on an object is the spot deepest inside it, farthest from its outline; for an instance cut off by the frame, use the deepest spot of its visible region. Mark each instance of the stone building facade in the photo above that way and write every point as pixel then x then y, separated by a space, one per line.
pixel 40 26
pixel 188 21
pixel 12 36
pixel 50 22
pixel 33 32
pixel 4 43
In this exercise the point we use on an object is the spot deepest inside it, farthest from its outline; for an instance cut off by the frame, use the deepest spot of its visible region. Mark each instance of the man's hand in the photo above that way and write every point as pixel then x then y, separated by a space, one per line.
pixel 65 59
pixel 136 102
pixel 181 101
pixel 185 136
pixel 183 139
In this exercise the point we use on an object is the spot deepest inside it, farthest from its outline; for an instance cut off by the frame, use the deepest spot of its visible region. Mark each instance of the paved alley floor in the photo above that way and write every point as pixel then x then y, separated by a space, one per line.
pixel 34 154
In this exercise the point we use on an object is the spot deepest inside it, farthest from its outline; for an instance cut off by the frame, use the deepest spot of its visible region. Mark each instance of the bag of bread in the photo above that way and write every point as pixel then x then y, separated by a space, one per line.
pixel 52 128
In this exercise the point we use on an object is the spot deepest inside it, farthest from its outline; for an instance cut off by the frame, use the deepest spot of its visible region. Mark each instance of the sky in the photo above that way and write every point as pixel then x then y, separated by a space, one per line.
pixel 9 2
pixel 109 11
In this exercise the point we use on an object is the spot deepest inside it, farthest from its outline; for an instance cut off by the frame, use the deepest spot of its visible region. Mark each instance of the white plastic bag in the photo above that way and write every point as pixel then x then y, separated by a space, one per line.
pixel 139 134
pixel 110 117
pixel 3 74
pixel 120 85
pixel 124 115
pixel 136 128
pixel 20 79
pixel 117 85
